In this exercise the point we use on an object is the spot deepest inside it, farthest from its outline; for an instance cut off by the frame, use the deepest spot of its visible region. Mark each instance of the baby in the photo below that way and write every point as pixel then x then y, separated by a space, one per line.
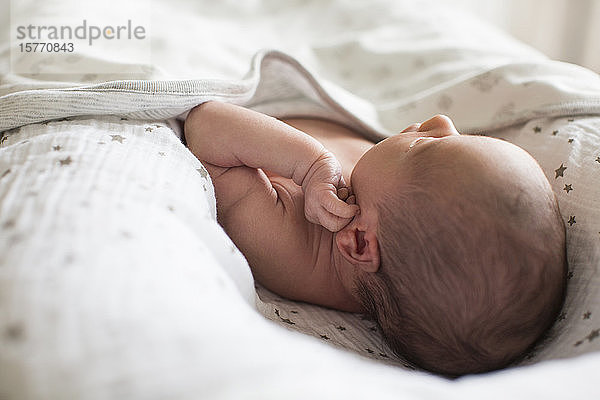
pixel 453 243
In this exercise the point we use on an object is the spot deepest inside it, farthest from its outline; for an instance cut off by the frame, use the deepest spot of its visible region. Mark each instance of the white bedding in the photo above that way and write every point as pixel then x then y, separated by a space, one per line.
pixel 115 279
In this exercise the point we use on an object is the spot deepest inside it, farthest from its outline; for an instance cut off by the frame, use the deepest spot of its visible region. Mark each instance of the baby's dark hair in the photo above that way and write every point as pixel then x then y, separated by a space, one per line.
pixel 471 275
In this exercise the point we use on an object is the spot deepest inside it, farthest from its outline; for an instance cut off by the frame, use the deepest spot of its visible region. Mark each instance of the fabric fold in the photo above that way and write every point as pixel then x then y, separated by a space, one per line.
pixel 280 85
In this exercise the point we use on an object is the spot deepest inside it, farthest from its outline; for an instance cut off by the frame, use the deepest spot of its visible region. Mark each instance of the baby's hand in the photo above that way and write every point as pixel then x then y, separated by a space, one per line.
pixel 321 202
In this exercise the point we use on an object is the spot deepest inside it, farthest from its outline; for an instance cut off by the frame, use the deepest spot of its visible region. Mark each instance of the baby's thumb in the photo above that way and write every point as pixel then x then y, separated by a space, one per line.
pixel 341 209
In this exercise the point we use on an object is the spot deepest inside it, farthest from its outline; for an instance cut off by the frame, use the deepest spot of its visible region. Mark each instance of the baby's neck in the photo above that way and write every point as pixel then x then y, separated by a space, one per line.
pixel 335 271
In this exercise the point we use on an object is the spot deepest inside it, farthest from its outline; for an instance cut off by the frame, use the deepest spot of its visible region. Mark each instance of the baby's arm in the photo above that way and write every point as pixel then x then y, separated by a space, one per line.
pixel 229 136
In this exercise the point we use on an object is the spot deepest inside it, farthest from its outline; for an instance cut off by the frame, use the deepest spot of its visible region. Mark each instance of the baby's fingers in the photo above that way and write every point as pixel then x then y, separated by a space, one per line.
pixel 343 193
pixel 331 222
pixel 340 208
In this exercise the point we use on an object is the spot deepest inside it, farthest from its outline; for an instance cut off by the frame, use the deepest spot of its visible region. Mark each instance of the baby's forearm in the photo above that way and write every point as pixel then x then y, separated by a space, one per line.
pixel 228 136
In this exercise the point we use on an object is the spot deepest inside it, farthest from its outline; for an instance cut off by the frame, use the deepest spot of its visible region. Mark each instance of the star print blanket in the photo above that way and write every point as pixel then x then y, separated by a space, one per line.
pixel 117 282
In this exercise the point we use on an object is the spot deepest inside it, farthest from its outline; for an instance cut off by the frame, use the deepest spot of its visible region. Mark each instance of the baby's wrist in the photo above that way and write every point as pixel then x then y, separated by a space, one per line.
pixel 323 167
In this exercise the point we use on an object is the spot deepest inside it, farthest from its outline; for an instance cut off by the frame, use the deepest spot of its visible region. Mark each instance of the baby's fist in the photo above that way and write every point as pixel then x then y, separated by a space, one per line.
pixel 322 185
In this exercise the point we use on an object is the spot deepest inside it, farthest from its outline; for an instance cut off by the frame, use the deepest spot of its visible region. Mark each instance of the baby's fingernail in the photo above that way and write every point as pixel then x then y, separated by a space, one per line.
pixel 351 199
pixel 342 193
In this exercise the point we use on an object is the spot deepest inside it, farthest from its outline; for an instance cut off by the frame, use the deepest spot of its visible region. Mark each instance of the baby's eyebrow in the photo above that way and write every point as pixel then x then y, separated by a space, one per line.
pixel 422 148
pixel 414 142
pixel 417 140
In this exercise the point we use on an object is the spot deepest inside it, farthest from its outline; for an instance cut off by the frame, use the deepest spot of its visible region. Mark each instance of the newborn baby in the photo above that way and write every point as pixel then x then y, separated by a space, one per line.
pixel 453 243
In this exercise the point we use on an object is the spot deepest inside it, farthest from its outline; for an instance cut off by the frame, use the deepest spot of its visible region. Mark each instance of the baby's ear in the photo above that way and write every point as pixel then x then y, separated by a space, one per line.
pixel 359 247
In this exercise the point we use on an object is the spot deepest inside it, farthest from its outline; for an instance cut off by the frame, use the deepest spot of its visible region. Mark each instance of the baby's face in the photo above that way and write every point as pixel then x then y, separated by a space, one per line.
pixel 381 166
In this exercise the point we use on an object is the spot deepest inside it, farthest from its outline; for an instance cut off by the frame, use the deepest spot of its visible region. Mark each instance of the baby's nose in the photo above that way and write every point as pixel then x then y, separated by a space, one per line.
pixel 441 124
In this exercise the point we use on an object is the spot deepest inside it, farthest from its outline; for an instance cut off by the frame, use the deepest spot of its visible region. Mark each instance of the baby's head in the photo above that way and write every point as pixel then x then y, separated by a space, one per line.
pixel 460 247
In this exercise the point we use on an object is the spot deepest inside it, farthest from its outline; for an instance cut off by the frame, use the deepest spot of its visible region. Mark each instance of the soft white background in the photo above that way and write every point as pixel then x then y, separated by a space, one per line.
pixel 566 30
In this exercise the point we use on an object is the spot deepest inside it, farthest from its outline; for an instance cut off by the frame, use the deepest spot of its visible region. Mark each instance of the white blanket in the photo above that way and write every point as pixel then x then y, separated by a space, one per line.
pixel 478 99
pixel 116 281
pixel 399 67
